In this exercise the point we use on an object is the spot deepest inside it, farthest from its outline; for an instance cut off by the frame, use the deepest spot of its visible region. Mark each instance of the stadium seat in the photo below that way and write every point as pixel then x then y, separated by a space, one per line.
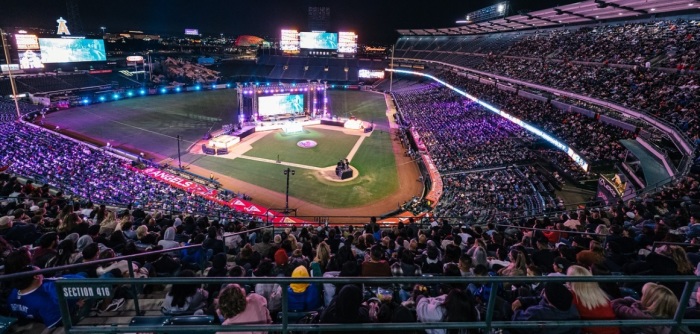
pixel 149 321
pixel 6 323
pixel 192 320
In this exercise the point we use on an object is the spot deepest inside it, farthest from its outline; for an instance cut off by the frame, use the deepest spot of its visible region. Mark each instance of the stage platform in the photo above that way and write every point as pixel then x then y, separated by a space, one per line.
pixel 269 126
pixel 224 141
pixel 348 123
pixel 244 131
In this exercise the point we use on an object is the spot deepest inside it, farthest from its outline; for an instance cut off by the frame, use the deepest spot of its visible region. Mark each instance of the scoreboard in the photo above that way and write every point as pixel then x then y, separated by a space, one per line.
pixel 347 42
pixel 289 41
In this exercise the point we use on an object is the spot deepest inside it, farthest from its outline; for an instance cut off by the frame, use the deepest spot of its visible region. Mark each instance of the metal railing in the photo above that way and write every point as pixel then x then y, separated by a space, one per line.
pixel 487 323
pixel 129 258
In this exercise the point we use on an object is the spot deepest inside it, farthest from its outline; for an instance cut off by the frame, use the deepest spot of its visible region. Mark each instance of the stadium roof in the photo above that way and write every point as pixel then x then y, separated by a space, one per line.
pixel 575 13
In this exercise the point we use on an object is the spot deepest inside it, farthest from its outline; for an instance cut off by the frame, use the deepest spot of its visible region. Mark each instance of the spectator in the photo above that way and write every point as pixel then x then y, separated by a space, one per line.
pixel 346 307
pixel 556 304
pixel 591 302
pixel 185 298
pixel 658 302
pixel 456 306
pixel 303 297
pixel 234 307
pixel 375 265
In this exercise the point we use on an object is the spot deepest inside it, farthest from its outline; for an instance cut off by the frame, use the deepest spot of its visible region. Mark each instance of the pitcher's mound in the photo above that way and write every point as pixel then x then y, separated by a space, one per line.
pixel 328 174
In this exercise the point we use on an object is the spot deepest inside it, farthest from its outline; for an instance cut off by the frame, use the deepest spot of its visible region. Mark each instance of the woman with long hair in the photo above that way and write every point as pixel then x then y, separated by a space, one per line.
pixel 323 255
pixel 658 302
pixel 517 266
pixel 591 302
pixel 185 298
pixel 108 224
pixel 680 257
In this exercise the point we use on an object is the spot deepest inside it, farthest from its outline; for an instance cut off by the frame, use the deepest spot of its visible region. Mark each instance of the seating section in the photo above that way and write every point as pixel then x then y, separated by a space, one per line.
pixel 312 68
pixel 8 110
pixel 662 84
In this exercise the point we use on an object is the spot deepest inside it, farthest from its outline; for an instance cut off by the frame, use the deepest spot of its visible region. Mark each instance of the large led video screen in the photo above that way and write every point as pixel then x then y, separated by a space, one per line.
pixel 347 42
pixel 28 51
pixel 281 104
pixel 289 40
pixel 319 40
pixel 71 50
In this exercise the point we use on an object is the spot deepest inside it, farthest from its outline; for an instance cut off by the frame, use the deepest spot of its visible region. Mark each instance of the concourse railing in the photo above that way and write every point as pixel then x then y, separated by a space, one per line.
pixel 130 260
pixel 486 323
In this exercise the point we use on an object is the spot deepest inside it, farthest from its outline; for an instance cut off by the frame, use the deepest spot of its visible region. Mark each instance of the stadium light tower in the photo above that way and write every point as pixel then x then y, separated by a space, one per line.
pixel 179 160
pixel 13 85
pixel 287 172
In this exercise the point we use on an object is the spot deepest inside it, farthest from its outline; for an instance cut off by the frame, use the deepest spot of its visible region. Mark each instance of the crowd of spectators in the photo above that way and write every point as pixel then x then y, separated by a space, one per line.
pixel 622 244
pixel 596 141
pixel 671 43
pixel 185 72
pixel 483 196
pixel 8 110
pixel 555 59
pixel 459 134
pixel 665 95
pixel 93 174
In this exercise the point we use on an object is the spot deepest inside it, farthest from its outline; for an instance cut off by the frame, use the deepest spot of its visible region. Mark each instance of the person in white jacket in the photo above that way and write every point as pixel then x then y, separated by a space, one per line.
pixel 456 306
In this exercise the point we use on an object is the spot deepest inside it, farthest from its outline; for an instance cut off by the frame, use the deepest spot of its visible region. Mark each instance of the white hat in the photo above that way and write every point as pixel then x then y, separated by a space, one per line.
pixel 630 215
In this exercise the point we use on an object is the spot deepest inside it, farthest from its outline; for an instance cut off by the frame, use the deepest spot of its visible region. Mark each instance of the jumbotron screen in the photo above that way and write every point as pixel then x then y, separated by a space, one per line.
pixel 71 50
pixel 281 104
pixel 347 42
pixel 289 41
pixel 319 40
pixel 28 51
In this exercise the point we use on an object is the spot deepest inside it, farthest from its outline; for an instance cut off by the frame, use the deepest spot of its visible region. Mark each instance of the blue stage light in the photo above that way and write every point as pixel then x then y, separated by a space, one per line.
pixel 228 85
pixel 198 87
pixel 129 93
pixel 102 98
pixel 86 101
pixel 142 92
pixel 268 83
pixel 163 90
pixel 115 96
pixel 178 89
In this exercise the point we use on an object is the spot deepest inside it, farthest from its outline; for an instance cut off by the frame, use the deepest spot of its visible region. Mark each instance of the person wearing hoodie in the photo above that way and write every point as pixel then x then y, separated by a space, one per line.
pixel 346 308
pixel 302 296
pixel 271 291
pixel 169 239
pixel 658 302
pixel 556 305
pixel 456 306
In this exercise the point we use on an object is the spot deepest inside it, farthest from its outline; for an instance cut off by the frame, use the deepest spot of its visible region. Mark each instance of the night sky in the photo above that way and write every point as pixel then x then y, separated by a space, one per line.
pixel 373 20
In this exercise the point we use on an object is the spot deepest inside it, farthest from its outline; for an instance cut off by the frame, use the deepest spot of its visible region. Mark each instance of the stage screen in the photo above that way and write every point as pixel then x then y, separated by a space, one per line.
pixel 281 104
pixel 319 40
pixel 192 32
pixel 69 50
pixel 28 51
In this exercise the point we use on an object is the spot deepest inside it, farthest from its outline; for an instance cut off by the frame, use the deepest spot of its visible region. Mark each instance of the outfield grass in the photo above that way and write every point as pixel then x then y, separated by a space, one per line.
pixel 366 106
pixel 332 146
pixel 374 161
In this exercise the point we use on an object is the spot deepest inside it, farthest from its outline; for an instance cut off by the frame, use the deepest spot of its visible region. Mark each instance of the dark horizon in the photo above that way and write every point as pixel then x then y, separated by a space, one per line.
pixel 374 21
